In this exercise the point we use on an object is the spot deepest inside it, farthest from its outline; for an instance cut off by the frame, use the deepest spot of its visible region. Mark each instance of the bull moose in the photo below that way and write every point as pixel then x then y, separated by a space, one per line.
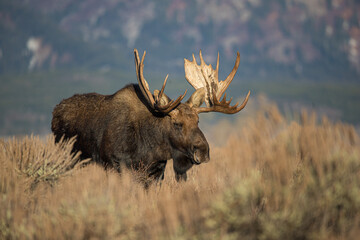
pixel 135 128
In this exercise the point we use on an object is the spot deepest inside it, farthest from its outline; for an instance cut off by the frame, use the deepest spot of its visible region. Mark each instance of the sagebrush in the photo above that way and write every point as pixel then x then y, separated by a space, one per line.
pixel 271 178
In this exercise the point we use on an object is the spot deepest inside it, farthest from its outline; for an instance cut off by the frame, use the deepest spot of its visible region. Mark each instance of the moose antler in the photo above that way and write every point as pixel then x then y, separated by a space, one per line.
pixel 204 76
pixel 156 103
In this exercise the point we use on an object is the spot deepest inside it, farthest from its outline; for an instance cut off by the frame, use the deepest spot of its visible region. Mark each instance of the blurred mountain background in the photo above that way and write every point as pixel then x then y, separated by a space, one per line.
pixel 300 53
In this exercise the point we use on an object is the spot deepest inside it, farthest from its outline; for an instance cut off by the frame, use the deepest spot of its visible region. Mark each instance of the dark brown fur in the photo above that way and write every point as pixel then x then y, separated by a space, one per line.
pixel 121 130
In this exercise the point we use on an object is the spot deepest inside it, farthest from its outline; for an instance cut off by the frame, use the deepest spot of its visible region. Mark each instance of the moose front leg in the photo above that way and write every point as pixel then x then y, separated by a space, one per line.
pixel 181 164
pixel 156 170
pixel 180 176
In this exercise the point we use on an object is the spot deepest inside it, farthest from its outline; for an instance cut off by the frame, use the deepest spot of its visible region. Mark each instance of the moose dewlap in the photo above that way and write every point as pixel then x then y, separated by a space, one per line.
pixel 141 130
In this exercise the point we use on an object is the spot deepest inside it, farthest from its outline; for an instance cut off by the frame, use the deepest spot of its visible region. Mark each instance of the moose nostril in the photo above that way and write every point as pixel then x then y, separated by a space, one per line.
pixel 197 149
pixel 201 153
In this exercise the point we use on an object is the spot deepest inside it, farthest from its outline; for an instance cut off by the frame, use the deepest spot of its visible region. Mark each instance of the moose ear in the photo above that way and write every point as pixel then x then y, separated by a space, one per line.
pixel 197 98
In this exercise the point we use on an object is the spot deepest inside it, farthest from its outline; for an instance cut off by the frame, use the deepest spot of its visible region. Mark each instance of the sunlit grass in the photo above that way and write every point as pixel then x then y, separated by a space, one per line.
pixel 268 178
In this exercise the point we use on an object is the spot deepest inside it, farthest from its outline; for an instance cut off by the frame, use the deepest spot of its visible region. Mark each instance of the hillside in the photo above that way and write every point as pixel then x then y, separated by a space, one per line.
pixel 31 40
pixel 300 53
pixel 313 38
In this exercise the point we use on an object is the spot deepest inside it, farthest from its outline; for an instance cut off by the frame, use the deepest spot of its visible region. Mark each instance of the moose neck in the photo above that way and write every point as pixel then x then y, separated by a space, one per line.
pixel 154 136
pixel 155 128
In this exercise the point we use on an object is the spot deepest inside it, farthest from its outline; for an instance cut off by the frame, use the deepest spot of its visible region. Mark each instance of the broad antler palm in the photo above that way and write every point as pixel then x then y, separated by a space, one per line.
pixel 204 76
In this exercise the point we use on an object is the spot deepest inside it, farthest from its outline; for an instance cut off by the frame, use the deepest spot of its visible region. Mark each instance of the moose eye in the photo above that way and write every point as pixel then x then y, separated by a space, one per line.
pixel 178 125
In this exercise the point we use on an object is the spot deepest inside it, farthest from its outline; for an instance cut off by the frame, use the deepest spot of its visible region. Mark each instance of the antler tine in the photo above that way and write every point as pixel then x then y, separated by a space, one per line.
pixel 144 86
pixel 194 59
pixel 244 102
pixel 163 87
pixel 223 85
pixel 204 76
pixel 224 106
pixel 225 101
pixel 202 62
pixel 217 67
pixel 172 104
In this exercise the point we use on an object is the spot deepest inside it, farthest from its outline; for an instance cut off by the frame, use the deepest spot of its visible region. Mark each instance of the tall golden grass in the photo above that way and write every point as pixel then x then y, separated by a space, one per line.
pixel 269 178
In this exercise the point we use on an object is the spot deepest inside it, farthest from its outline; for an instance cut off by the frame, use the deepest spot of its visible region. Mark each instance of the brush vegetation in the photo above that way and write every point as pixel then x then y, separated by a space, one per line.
pixel 268 178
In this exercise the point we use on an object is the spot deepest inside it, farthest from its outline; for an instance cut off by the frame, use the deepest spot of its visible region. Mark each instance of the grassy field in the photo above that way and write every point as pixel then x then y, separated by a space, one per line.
pixel 268 178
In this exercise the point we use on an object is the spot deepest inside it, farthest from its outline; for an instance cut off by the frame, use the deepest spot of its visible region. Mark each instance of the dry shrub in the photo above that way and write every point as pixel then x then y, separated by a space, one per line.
pixel 27 167
pixel 303 180
pixel 88 205
pixel 271 178
pixel 40 160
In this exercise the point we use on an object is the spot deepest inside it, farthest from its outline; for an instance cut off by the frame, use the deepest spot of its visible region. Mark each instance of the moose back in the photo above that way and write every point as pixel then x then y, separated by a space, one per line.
pixel 136 129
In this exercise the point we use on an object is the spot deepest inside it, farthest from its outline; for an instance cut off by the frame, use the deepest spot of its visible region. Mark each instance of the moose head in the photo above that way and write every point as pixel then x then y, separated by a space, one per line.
pixel 189 145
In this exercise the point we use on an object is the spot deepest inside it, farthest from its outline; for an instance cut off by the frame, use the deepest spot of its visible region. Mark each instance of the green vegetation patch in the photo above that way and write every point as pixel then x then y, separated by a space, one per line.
pixel 341 97
pixel 27 100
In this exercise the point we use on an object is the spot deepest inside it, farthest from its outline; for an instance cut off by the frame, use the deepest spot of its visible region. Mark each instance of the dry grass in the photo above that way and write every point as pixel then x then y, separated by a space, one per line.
pixel 271 178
